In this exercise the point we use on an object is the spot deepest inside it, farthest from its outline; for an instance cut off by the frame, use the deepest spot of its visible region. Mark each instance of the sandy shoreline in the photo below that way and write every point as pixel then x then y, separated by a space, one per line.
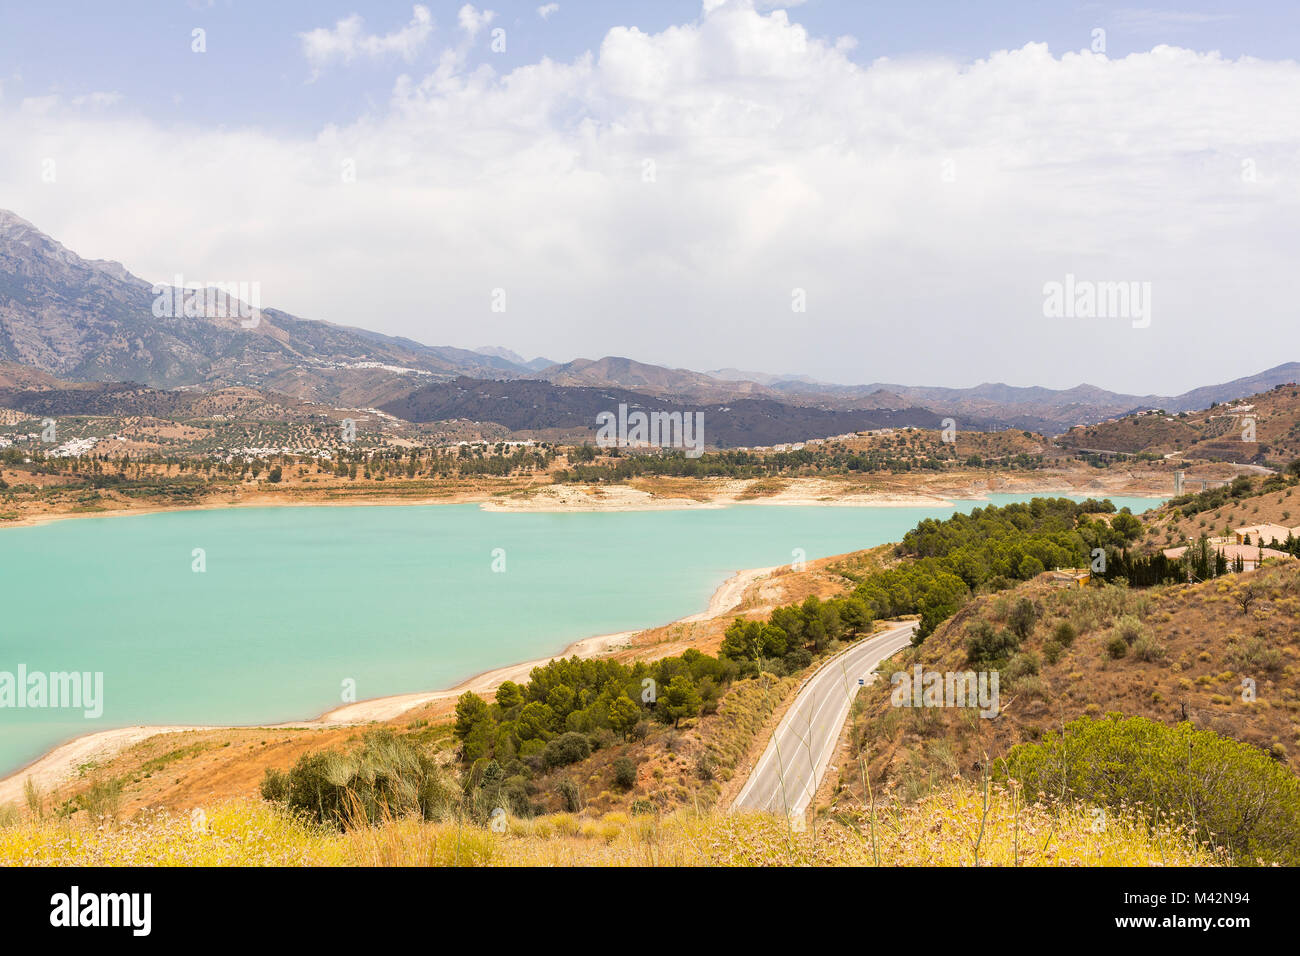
pixel 59 764
pixel 617 498
pixel 559 499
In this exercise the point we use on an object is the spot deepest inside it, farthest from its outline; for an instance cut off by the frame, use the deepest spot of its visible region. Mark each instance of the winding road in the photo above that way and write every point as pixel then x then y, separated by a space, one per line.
pixel 786 777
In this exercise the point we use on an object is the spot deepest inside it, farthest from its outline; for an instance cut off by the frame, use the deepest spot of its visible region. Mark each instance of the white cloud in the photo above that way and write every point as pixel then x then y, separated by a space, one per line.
pixel 662 197
pixel 347 40
pixel 472 21
pixel 546 9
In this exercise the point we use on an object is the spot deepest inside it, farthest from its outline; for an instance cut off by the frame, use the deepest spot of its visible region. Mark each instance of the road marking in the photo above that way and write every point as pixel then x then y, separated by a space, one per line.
pixel 787 721
pixel 884 643
pixel 834 738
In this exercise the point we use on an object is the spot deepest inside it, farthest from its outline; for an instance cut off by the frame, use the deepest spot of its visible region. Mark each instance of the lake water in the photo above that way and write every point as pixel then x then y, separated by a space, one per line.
pixel 294 601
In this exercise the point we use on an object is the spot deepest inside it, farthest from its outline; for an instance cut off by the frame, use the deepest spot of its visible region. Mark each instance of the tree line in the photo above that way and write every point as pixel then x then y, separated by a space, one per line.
pixel 943 562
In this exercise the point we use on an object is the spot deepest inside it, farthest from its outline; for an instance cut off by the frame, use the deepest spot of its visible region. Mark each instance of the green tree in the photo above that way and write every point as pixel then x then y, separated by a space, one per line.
pixel 940 600
pixel 623 714
pixel 680 700
pixel 470 710
pixel 536 721
pixel 560 698
pixel 1029 567
pixel 1127 526
pixel 509 695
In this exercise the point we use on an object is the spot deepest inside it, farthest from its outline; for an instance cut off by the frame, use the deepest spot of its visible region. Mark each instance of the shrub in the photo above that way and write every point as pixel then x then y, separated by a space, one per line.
pixel 568 791
pixel 386 777
pixel 986 647
pixel 1116 647
pixel 102 799
pixel 1032 686
pixel 275 786
pixel 1064 634
pixel 1024 664
pixel 514 794
pixel 1253 654
pixel 1227 792
pixel 1023 616
pixel 797 660
pixel 704 767
pixel 1147 648
pixel 625 773
pixel 566 749
pixel 1052 652
pixel 1130 629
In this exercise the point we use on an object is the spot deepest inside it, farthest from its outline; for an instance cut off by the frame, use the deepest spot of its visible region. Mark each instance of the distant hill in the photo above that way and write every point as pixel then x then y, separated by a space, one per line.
pixel 497 351
pixel 13 375
pixel 676 383
pixel 762 378
pixel 125 399
pixel 1219 433
pixel 1045 410
pixel 1040 409
pixel 684 385
pixel 533 405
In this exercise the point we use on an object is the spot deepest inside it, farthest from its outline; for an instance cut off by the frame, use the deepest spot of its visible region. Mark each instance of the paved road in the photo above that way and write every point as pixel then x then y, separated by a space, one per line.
pixel 785 778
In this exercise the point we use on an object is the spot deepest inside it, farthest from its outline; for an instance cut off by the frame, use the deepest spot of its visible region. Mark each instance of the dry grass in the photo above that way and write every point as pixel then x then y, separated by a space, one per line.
pixel 958 825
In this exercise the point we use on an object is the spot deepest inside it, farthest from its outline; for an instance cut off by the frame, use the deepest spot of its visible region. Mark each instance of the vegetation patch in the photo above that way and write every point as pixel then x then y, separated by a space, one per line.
pixel 1228 793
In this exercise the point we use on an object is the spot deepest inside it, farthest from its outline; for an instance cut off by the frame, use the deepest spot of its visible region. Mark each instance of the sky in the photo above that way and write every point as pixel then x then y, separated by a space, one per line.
pixel 849 190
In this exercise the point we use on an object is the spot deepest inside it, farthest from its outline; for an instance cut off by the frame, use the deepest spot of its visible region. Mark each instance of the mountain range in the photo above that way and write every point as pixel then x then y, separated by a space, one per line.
pixel 93 321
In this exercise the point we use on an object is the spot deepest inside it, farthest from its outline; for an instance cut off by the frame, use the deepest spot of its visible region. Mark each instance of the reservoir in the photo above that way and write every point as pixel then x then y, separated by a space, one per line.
pixel 293 602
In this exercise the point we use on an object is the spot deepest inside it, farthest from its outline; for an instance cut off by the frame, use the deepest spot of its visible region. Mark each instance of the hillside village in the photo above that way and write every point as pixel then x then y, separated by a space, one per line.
pixel 1248 547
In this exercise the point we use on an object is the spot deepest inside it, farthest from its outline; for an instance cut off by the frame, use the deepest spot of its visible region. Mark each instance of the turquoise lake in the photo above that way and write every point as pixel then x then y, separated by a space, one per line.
pixel 294 601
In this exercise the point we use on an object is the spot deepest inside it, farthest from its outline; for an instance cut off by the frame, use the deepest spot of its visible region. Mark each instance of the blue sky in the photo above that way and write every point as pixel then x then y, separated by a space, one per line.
pixel 255 74
pixel 663 180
